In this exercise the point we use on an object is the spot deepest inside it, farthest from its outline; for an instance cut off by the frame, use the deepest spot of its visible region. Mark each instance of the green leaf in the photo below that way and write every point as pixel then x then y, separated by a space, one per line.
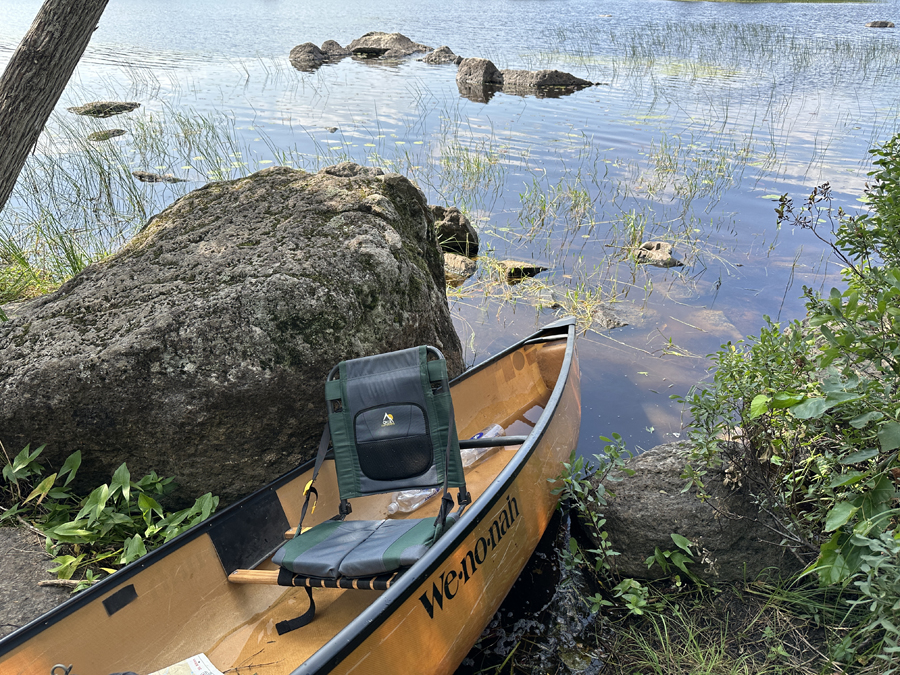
pixel 889 436
pixel 862 420
pixel 785 399
pixel 682 542
pixel 849 478
pixel 759 405
pixel 42 489
pixel 70 466
pixel 859 456
pixel 147 504
pixel 810 408
pixel 121 481
pixel 839 515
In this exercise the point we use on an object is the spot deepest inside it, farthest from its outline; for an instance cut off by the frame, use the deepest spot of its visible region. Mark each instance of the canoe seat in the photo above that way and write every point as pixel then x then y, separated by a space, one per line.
pixel 357 548
pixel 391 424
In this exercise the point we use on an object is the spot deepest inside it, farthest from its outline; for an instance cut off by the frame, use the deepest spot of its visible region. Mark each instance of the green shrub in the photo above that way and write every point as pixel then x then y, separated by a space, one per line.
pixel 814 410
pixel 114 525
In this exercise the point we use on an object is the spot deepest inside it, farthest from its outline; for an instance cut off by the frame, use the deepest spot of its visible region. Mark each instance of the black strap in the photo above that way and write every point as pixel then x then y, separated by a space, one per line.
pixel 320 459
pixel 446 499
pixel 293 624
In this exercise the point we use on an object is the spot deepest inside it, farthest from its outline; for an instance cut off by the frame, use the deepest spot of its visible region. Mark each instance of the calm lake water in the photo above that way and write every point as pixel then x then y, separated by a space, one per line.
pixel 704 112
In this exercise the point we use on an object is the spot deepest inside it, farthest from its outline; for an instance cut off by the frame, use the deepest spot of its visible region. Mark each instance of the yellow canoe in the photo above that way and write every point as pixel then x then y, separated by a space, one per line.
pixel 178 601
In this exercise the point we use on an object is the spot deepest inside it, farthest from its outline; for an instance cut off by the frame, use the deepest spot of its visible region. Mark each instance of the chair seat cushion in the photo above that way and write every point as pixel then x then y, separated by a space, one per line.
pixel 357 548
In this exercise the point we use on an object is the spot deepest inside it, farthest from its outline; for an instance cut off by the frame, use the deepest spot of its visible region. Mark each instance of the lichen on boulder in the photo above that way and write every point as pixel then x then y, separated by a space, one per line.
pixel 200 350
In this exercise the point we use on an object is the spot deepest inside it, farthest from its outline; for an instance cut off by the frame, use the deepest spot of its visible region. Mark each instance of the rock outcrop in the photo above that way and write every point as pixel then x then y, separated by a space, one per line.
pixel 454 231
pixel 201 348
pixel 880 24
pixel 729 533
pixel 389 45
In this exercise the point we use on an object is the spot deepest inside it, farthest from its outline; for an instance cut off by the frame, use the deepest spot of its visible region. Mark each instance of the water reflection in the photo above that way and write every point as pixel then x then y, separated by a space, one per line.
pixel 708 111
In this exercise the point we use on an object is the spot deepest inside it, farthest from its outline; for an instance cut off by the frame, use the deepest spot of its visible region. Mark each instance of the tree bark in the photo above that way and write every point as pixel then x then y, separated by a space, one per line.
pixel 35 78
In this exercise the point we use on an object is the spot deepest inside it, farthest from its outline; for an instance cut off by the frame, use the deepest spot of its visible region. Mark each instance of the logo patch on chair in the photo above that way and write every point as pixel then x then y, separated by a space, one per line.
pixel 388 420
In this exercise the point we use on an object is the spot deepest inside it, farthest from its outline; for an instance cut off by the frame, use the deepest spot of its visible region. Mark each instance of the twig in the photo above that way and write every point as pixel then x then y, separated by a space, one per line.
pixel 60 583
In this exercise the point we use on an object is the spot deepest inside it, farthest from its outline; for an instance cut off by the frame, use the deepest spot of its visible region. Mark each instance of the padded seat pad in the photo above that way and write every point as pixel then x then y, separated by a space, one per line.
pixel 357 548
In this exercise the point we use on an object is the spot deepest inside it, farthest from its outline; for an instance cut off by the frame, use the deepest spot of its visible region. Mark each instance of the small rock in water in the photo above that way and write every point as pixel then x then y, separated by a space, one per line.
pixel 441 55
pixel 391 45
pixel 880 24
pixel 307 57
pixel 106 135
pixel 147 177
pixel 104 108
pixel 657 253
pixel 457 269
pixel 516 270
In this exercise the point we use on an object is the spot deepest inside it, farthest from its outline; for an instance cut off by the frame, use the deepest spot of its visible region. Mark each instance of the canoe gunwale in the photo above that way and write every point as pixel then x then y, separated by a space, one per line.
pixel 363 625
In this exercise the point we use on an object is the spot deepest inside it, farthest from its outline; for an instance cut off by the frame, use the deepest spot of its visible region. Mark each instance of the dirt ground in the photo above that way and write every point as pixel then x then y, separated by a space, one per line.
pixel 24 563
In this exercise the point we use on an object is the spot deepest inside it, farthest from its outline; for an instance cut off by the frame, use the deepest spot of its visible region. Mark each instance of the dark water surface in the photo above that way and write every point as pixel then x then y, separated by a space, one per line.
pixel 705 111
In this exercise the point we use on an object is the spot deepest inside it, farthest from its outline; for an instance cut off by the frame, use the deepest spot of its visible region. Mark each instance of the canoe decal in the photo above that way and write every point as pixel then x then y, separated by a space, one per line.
pixel 448 585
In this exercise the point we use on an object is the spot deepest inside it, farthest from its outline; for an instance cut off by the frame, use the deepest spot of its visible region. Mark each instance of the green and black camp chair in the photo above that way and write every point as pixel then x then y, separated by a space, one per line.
pixel 390 421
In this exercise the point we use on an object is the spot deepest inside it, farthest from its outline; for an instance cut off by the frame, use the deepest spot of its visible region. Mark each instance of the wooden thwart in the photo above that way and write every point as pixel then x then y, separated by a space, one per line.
pixel 271 577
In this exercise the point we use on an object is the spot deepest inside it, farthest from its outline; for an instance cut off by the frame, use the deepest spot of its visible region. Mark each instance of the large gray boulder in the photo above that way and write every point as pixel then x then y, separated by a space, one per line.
pixel 731 536
pixel 200 350
pixel 389 45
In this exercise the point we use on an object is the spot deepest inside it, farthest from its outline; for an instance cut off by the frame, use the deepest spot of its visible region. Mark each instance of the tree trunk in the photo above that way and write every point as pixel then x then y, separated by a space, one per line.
pixel 35 78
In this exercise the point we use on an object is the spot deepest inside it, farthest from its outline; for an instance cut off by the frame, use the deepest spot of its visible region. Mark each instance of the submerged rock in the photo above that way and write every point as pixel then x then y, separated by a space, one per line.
pixel 454 231
pixel 148 177
pixel 201 348
pixel 518 270
pixel 390 45
pixel 457 269
pixel 106 135
pixel 657 253
pixel 442 55
pixel 104 108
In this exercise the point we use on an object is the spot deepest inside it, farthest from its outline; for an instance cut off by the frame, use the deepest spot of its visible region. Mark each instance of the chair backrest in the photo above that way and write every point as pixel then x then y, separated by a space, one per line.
pixel 390 416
